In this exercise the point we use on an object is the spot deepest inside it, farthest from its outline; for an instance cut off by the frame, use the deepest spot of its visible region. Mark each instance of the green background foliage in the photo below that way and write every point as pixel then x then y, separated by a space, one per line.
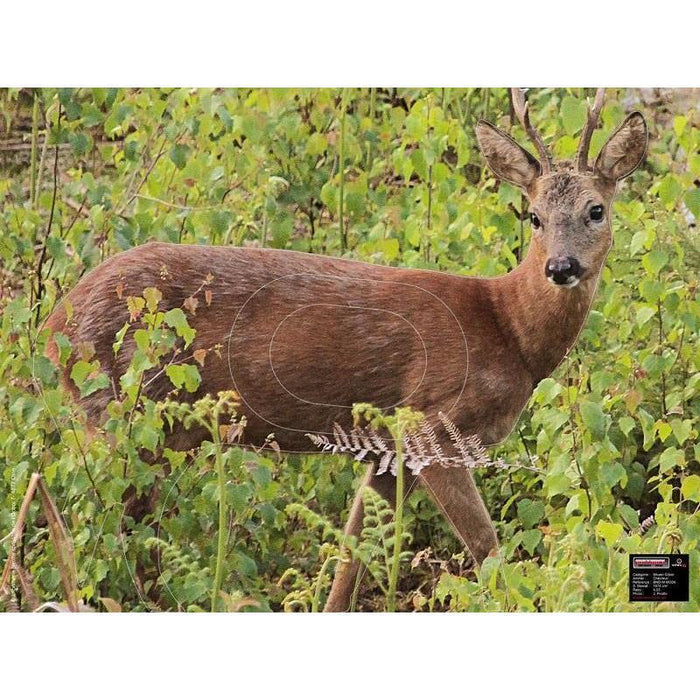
pixel 387 176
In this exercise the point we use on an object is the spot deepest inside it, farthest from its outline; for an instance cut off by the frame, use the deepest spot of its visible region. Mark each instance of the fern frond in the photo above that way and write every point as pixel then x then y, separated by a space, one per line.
pixel 422 448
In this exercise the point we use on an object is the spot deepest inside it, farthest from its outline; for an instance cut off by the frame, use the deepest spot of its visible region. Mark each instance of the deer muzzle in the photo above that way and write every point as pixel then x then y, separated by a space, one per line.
pixel 563 271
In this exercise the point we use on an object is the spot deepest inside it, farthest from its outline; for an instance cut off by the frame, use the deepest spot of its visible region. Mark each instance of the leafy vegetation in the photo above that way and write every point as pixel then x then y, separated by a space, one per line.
pixel 387 176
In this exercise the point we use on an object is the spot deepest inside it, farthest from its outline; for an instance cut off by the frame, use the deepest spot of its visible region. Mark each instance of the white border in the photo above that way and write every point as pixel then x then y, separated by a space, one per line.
pixel 353 655
pixel 365 42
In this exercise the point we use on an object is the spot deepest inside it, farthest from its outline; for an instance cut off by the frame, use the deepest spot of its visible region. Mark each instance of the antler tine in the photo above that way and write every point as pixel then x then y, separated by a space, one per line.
pixel 591 124
pixel 520 106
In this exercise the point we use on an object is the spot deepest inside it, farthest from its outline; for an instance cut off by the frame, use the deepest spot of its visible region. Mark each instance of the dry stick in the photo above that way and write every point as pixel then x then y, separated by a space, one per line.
pixel 25 582
pixel 18 530
pixel 62 543
pixel 63 547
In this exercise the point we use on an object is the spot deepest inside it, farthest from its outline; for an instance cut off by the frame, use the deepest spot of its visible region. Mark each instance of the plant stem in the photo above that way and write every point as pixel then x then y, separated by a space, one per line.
pixel 398 521
pixel 35 138
pixel 221 545
pixel 341 173
pixel 371 119
pixel 264 231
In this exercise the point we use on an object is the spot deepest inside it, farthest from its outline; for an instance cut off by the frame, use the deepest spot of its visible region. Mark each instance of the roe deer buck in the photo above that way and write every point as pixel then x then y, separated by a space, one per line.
pixel 307 336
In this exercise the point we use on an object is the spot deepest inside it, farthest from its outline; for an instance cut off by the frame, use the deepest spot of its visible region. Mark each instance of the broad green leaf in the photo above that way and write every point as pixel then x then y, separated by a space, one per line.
pixel 690 488
pixel 610 532
pixel 594 418
pixel 530 512
pixel 692 201
pixel 573 114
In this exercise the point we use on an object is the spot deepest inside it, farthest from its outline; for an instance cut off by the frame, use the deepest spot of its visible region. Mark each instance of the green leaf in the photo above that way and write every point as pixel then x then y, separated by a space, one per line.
pixel 419 163
pixel 176 374
pixel 669 190
pixel 176 319
pixel 142 338
pixel 80 143
pixel 594 419
pixel 663 430
pixel 654 261
pixel 671 457
pixel 639 242
pixel 556 484
pixel 644 315
pixel 613 474
pixel 530 540
pixel 610 532
pixel 573 114
pixel 80 371
pixel 389 247
pixel 179 154
pixel 692 201
pixel 648 427
pixel 682 430
pixel 119 338
pixel 316 144
pixel 192 377
pixel 547 390
pixel 690 488
pixel 530 512
pixel 64 347
pixel 329 196
pixel 626 424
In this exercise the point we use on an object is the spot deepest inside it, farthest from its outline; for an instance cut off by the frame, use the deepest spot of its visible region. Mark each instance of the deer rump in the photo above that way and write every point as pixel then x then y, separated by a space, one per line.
pixel 301 337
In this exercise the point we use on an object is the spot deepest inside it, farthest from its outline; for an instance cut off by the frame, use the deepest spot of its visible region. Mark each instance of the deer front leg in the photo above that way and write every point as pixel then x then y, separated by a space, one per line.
pixel 456 495
pixel 346 573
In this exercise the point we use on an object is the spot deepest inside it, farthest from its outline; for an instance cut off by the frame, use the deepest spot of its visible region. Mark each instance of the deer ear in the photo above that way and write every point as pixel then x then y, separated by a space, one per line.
pixel 624 150
pixel 507 159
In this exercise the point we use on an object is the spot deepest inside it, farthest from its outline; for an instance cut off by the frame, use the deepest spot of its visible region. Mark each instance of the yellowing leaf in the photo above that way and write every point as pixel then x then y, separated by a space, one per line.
pixel 135 306
pixel 153 297
pixel 111 605
pixel 690 488
pixel 191 304
pixel 610 532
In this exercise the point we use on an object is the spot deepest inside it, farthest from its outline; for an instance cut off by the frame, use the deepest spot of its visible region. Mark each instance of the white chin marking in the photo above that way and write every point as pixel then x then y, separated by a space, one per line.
pixel 569 284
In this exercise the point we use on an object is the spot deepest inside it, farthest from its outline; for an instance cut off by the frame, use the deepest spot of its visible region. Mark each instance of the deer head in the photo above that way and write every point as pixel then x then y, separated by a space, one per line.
pixel 569 201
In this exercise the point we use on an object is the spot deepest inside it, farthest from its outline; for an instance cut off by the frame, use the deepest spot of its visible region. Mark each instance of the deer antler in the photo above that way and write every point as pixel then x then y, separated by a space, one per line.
pixel 520 106
pixel 591 124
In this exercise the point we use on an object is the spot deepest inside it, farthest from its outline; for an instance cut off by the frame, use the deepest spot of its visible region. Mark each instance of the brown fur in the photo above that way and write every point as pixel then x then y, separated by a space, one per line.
pixel 305 336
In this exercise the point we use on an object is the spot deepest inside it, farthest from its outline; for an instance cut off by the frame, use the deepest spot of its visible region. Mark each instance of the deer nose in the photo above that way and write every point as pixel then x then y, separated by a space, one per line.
pixel 563 271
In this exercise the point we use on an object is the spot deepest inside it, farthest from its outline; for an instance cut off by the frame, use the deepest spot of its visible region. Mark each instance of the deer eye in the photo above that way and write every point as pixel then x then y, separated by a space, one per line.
pixel 534 220
pixel 596 212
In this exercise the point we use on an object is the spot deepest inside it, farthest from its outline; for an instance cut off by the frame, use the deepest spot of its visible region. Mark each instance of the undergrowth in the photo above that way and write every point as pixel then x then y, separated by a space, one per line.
pixel 614 429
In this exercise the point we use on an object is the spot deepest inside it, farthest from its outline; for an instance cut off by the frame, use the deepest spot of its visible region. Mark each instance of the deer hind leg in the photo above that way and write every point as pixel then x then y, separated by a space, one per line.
pixel 346 574
pixel 456 495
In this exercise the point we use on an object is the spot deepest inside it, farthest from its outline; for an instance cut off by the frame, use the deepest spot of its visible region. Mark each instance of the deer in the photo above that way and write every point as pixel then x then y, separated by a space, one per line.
pixel 308 336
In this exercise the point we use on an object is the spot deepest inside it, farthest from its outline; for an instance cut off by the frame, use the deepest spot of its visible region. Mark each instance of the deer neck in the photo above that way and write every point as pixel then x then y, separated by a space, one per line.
pixel 543 320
